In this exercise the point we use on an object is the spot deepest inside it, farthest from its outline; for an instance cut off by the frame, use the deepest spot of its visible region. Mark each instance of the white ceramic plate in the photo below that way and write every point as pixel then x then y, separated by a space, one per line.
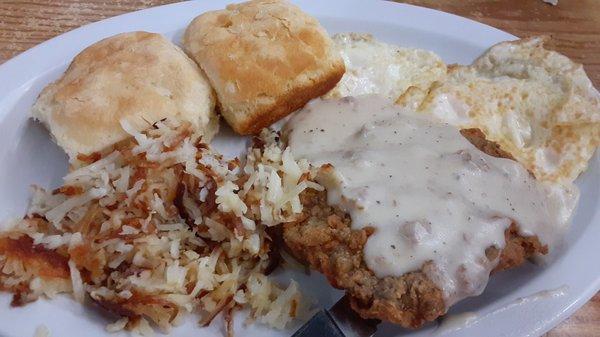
pixel 27 156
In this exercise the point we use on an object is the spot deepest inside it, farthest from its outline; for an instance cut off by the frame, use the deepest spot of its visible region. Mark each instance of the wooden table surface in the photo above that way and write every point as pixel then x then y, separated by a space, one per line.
pixel 573 24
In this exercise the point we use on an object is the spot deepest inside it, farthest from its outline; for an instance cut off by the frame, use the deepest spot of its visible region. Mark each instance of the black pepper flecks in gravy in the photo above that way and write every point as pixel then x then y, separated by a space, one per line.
pixel 428 192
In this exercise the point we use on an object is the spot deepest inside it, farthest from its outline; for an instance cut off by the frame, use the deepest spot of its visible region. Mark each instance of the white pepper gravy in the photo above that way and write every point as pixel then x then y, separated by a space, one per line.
pixel 430 195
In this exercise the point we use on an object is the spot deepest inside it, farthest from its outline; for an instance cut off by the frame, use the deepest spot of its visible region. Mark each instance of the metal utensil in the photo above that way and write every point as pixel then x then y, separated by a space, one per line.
pixel 339 321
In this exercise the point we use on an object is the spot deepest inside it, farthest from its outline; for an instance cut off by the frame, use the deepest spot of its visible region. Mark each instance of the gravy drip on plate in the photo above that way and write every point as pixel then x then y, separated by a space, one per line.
pixel 430 195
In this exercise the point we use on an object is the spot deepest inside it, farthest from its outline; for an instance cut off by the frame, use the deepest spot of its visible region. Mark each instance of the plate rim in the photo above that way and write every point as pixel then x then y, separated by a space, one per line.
pixel 13 68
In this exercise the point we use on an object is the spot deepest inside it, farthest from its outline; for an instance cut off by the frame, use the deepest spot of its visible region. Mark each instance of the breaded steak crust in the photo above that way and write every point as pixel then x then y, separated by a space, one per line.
pixel 325 240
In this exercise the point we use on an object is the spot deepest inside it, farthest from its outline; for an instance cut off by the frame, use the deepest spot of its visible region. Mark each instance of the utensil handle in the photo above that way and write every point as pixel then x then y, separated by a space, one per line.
pixel 320 325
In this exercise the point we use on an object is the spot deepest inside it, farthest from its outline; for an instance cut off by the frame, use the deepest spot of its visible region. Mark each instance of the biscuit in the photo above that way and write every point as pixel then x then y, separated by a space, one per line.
pixel 265 59
pixel 140 77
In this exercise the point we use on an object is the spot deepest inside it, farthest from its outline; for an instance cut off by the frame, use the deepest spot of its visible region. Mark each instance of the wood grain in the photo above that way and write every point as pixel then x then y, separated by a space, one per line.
pixel 573 24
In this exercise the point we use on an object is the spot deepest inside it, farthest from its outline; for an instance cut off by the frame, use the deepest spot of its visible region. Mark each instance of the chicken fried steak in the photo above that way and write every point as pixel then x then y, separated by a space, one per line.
pixel 415 215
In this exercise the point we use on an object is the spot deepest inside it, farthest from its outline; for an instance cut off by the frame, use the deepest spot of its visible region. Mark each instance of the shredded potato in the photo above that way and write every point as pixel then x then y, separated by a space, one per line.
pixel 159 226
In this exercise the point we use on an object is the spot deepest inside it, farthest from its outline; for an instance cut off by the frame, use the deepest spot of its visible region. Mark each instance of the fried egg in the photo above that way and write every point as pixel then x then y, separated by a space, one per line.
pixel 535 103
pixel 374 67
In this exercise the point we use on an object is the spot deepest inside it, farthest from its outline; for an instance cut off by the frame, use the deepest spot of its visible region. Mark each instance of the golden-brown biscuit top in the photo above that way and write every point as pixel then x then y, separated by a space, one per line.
pixel 236 48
